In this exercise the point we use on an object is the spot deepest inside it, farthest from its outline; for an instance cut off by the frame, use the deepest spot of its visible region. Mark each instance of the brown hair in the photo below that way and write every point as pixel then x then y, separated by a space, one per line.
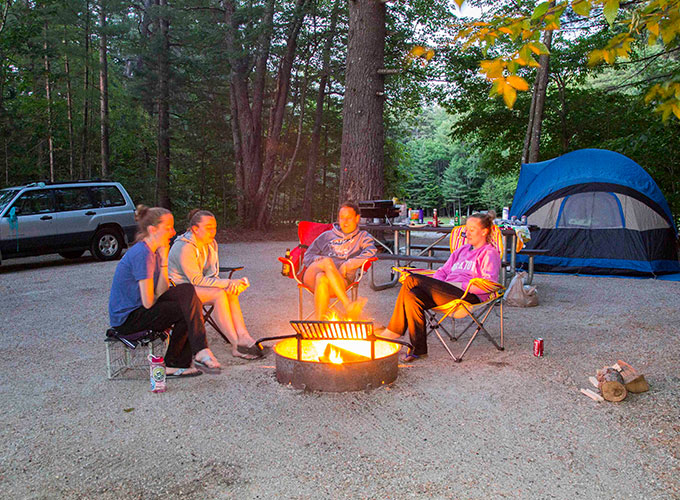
pixel 196 215
pixel 145 217
pixel 352 205
pixel 485 220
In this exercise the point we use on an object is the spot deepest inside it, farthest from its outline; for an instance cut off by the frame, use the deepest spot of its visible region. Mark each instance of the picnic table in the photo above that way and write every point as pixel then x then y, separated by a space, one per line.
pixel 404 255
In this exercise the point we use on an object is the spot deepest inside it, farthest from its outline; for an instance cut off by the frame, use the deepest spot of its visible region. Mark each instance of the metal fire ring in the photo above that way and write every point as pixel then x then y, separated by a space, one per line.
pixel 357 376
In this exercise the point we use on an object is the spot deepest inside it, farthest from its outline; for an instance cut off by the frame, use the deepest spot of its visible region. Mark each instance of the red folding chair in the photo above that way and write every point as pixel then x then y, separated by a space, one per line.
pixel 307 233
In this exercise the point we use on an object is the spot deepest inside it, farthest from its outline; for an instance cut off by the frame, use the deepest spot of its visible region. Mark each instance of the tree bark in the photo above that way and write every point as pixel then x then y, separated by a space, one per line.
pixel 48 95
pixel 69 110
pixel 86 99
pixel 313 158
pixel 540 89
pixel 163 152
pixel 363 137
pixel 103 92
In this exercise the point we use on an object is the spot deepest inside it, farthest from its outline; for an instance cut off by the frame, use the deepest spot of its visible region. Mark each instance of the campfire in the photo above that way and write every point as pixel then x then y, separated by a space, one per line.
pixel 335 355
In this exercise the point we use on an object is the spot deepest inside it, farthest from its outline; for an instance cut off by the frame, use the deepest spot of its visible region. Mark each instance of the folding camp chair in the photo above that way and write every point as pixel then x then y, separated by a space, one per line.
pixel 461 308
pixel 307 233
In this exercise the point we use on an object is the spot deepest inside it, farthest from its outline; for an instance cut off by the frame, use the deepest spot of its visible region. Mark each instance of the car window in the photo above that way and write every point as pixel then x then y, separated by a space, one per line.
pixel 76 198
pixel 5 196
pixel 35 202
pixel 107 196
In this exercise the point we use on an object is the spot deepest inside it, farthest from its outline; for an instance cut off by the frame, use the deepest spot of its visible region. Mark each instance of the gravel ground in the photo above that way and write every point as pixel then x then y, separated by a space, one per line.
pixel 498 425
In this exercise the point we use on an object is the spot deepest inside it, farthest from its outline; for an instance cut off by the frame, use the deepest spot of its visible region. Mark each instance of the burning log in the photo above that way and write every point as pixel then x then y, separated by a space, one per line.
pixel 338 355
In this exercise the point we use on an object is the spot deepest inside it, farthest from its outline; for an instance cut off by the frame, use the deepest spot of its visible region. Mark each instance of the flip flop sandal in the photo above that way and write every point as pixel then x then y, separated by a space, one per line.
pixel 252 350
pixel 410 358
pixel 201 364
pixel 184 373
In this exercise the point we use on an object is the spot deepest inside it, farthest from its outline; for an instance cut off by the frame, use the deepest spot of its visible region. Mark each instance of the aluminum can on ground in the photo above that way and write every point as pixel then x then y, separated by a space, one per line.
pixel 538 347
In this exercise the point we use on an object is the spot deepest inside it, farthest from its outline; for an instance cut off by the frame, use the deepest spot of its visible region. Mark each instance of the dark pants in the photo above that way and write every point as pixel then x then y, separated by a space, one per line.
pixel 178 306
pixel 418 294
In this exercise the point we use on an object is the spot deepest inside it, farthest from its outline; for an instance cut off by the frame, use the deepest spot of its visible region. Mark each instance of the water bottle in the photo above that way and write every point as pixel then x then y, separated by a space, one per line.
pixel 157 373
pixel 285 268
pixel 506 213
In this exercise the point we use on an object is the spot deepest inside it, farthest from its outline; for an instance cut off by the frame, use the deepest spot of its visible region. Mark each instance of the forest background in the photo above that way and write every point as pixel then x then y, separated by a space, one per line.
pixel 171 97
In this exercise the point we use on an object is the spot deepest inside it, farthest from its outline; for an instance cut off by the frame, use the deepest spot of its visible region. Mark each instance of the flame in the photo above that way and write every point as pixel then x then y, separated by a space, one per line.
pixel 334 356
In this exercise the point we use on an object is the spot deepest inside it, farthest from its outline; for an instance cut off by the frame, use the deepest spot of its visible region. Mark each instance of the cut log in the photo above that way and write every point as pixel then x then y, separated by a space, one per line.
pixel 611 384
pixel 637 385
pixel 592 395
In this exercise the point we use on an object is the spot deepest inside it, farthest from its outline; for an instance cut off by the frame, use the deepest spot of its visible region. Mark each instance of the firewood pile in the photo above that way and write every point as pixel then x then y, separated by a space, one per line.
pixel 613 383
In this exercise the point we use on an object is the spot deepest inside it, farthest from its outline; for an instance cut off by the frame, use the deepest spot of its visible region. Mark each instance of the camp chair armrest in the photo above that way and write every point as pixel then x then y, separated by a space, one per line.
pixel 293 274
pixel 364 267
pixel 487 286
pixel 405 271
pixel 230 269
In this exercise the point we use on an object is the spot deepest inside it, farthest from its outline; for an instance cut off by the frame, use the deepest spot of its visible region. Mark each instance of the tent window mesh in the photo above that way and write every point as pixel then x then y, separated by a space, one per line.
pixel 595 210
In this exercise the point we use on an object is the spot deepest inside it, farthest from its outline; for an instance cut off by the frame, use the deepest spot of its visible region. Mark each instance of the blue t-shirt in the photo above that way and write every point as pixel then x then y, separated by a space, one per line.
pixel 137 264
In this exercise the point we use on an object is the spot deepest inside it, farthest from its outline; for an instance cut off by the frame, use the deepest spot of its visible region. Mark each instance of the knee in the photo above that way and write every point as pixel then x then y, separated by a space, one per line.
pixel 326 262
pixel 185 290
pixel 321 281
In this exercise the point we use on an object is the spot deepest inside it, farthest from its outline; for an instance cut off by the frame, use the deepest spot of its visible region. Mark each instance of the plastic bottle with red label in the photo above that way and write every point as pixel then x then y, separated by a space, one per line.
pixel 157 373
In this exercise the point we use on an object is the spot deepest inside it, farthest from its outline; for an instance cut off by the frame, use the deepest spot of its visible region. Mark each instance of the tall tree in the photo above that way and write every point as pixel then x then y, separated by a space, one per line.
pixel 363 135
pixel 103 91
pixel 163 151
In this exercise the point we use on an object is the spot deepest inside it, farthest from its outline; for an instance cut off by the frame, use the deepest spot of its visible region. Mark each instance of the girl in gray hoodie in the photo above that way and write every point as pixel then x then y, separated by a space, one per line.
pixel 334 257
pixel 194 259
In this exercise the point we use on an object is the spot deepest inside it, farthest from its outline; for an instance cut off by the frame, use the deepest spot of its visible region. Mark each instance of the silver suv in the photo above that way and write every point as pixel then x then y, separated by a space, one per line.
pixel 66 218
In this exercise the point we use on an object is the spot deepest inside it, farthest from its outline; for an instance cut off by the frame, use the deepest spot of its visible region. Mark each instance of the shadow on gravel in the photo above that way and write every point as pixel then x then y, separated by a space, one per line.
pixel 55 261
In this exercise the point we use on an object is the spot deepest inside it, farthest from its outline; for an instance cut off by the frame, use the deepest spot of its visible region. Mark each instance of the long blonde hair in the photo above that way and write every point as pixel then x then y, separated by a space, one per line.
pixel 145 217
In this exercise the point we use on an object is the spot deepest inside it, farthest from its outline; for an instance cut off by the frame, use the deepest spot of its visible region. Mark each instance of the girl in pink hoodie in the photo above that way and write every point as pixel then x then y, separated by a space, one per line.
pixel 477 259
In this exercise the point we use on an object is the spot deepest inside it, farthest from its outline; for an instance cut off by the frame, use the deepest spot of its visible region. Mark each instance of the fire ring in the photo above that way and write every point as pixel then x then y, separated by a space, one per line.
pixel 336 356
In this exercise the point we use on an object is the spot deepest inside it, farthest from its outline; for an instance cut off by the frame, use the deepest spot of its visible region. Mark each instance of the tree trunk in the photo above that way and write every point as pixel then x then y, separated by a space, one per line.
pixel 271 153
pixel 163 154
pixel 258 165
pixel 313 158
pixel 86 98
pixel 69 109
pixel 48 95
pixel 363 137
pixel 238 161
pixel 103 92
pixel 540 89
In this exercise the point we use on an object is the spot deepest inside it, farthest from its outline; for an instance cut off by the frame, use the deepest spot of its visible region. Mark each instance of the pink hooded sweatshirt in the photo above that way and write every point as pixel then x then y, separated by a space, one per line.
pixel 467 263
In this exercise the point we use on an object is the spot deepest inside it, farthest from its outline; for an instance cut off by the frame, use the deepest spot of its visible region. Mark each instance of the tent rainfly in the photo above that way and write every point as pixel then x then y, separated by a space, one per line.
pixel 597 212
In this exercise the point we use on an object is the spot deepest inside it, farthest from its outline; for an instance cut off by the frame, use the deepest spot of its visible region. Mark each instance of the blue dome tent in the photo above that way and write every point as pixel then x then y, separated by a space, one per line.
pixel 597 212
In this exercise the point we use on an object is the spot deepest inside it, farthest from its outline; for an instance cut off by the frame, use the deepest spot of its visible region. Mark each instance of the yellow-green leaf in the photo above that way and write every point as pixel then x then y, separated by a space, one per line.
pixel 611 8
pixel 581 7
pixel 539 11
pixel 517 82
pixel 493 69
pixel 509 96
pixel 653 28
pixel 417 51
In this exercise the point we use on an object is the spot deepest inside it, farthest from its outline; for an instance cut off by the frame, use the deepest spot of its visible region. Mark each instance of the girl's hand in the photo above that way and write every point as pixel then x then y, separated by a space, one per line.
pixel 232 287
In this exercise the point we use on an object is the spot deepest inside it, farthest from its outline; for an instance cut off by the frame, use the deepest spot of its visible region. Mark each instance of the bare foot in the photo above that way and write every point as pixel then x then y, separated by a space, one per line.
pixel 206 358
pixel 354 309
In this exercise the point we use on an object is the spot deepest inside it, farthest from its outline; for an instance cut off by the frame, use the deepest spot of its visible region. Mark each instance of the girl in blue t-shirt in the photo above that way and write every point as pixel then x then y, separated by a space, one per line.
pixel 142 299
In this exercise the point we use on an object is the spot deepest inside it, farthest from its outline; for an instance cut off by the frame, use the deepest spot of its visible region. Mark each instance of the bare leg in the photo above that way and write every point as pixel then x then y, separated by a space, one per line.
pixel 322 296
pixel 332 283
pixel 222 314
pixel 237 319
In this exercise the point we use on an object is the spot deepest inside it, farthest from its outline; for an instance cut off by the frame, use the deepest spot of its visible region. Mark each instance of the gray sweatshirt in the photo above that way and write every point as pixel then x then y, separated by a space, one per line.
pixel 187 263
pixel 350 249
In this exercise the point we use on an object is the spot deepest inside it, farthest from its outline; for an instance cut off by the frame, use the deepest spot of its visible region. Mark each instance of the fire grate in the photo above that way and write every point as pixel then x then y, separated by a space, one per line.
pixel 333 330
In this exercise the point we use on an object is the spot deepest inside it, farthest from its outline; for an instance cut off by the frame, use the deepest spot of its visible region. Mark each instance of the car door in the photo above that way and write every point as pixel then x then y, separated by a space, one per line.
pixel 33 232
pixel 74 225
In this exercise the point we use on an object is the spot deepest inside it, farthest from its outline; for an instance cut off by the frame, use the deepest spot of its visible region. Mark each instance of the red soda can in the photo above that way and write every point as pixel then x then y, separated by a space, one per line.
pixel 538 347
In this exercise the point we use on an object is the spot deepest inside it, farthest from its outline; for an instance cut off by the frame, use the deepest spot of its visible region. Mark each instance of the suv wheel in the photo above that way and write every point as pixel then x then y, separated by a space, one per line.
pixel 107 244
pixel 72 254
